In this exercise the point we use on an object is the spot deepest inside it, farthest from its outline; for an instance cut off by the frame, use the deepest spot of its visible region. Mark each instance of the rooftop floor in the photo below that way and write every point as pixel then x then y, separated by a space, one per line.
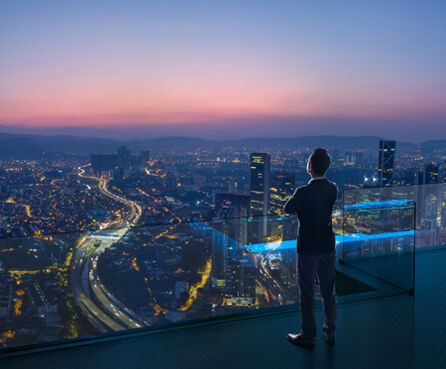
pixel 394 332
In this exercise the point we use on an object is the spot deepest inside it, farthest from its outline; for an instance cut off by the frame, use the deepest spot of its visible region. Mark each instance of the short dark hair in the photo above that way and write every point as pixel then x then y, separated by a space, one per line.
pixel 320 161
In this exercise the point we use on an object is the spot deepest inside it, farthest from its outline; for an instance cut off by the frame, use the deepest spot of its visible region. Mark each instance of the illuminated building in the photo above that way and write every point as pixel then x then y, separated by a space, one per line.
pixel 386 162
pixel 431 173
pixel 282 187
pixel 259 192
pixel 240 277
pixel 234 207
pixel 260 184
pixel 230 205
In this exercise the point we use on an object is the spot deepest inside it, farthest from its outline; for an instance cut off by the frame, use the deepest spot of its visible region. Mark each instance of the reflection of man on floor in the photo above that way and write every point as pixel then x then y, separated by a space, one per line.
pixel 316 255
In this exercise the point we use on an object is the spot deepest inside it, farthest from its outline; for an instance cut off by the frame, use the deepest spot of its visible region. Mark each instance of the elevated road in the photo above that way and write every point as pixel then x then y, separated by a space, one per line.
pixel 102 309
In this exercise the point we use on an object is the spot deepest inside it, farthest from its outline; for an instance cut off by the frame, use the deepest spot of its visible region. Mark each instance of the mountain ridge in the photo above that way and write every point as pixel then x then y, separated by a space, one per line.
pixel 30 146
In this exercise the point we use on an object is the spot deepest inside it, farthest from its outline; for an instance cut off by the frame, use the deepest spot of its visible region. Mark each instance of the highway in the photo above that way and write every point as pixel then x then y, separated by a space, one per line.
pixel 79 285
pixel 102 309
pixel 108 302
pixel 135 208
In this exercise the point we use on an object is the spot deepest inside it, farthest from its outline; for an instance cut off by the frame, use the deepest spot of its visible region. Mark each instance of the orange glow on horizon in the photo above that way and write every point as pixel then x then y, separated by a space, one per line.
pixel 116 111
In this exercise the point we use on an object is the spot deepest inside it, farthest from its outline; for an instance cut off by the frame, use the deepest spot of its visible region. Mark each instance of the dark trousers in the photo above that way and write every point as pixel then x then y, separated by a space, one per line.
pixel 324 265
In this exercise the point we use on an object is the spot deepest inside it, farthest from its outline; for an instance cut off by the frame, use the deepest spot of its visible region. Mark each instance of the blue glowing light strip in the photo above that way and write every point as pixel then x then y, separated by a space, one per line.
pixel 354 237
pixel 290 244
pixel 376 204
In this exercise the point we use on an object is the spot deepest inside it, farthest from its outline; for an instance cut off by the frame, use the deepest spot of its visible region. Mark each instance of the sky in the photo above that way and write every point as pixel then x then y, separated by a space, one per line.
pixel 224 69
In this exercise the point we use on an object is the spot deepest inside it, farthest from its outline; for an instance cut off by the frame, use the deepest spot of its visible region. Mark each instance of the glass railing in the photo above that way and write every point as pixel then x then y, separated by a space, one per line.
pixel 74 286
pixel 378 237
pixel 430 203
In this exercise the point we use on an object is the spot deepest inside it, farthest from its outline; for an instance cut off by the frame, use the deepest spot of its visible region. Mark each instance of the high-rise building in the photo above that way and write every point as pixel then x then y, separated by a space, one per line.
pixel 231 205
pixel 124 160
pixel 123 153
pixel 282 187
pixel 431 173
pixel 236 208
pixel 118 174
pixel 350 159
pixel 444 171
pixel 353 159
pixel 260 184
pixel 443 217
pixel 240 281
pixel 141 159
pixel 103 163
pixel 386 162
pixel 420 177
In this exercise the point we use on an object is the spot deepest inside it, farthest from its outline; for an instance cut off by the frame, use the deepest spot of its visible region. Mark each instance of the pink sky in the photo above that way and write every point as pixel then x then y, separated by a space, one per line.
pixel 153 65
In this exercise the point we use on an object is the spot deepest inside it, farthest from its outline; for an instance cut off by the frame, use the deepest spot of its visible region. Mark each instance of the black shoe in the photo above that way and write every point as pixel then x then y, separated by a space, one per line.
pixel 299 340
pixel 329 337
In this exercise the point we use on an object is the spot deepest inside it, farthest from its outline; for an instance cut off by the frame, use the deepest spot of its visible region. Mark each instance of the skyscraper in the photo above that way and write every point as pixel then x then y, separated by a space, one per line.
pixel 431 174
pixel 282 187
pixel 236 208
pixel 103 163
pixel 386 162
pixel 443 172
pixel 231 205
pixel 260 183
pixel 124 160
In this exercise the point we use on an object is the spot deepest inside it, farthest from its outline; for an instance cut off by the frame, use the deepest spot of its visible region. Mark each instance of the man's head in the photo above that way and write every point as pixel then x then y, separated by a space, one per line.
pixel 318 162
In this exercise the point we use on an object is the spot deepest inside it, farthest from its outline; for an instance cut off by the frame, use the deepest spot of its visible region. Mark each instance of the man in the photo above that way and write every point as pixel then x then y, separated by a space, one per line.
pixel 316 255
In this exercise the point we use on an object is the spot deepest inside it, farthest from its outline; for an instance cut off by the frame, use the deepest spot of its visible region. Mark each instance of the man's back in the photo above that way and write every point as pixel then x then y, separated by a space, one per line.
pixel 313 205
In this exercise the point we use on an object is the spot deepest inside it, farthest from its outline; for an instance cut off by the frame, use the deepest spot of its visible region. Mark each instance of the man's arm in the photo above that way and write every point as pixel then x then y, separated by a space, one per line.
pixel 292 205
pixel 335 194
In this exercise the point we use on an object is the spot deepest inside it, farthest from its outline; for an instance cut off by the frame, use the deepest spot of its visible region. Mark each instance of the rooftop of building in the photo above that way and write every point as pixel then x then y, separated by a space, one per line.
pixel 393 332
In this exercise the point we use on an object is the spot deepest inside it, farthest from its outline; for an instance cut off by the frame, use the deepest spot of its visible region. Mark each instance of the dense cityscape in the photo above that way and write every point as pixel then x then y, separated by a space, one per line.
pixel 143 237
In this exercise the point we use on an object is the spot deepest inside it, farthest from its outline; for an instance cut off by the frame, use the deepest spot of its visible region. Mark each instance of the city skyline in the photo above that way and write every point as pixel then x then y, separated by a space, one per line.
pixel 197 69
pixel 172 235
pixel 149 149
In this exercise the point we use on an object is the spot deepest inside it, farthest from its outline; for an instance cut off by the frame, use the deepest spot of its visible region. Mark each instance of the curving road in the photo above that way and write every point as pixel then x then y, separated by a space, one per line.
pixel 102 309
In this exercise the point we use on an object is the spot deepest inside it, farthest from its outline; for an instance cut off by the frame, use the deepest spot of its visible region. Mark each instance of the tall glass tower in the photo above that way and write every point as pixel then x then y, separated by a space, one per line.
pixel 431 173
pixel 282 187
pixel 260 183
pixel 386 162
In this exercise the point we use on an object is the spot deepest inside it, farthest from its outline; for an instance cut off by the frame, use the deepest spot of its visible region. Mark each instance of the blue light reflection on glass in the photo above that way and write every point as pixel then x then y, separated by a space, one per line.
pixel 288 244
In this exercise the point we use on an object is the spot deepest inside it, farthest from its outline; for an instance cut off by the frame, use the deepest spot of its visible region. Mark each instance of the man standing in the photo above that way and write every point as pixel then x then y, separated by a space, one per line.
pixel 316 254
